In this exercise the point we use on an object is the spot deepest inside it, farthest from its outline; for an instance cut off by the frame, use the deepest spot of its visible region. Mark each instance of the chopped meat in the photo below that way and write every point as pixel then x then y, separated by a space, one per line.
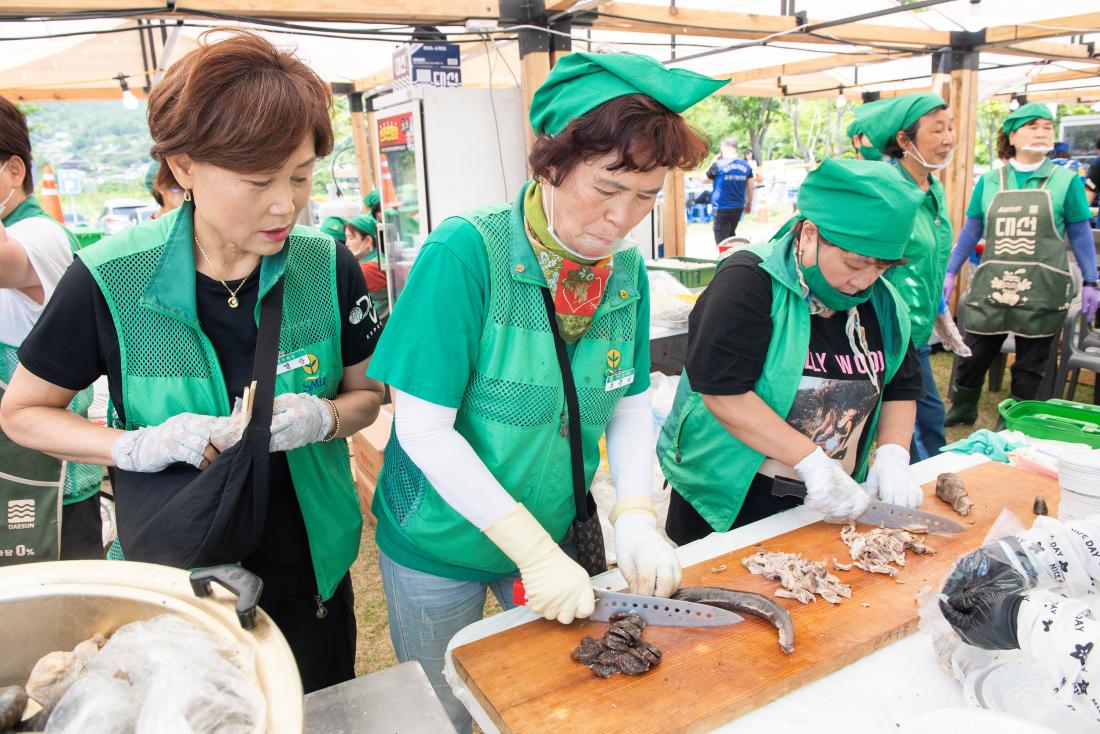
pixel 951 490
pixel 798 577
pixel 877 549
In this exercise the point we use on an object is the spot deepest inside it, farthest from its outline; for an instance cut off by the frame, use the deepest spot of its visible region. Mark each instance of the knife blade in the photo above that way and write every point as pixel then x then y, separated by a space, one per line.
pixel 877 512
pixel 660 612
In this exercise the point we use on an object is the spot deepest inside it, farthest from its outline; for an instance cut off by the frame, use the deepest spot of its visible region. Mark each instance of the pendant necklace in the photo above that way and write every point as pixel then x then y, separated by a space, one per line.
pixel 232 300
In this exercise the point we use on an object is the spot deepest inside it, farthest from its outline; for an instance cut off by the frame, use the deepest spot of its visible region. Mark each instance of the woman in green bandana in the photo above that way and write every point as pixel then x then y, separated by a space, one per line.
pixel 1026 209
pixel 477 486
pixel 34 252
pixel 362 240
pixel 857 134
pixel 798 358
pixel 918 132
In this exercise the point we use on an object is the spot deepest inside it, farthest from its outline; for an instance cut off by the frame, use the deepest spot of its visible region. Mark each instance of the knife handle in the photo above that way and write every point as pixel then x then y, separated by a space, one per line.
pixel 519 593
pixel 784 487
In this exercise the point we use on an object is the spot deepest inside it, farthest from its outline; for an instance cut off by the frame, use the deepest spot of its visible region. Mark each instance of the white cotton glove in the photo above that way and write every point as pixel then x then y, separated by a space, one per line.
pixel 557 588
pixel 889 478
pixel 181 439
pixel 829 489
pixel 299 420
pixel 646 560
pixel 944 327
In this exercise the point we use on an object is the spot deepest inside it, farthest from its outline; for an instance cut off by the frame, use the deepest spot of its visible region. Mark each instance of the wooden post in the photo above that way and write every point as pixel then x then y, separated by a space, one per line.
pixel 960 90
pixel 675 217
pixel 534 67
pixel 360 135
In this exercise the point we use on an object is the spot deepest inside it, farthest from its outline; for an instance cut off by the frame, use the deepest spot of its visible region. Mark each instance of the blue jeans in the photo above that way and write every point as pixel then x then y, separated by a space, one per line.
pixel 426 611
pixel 928 436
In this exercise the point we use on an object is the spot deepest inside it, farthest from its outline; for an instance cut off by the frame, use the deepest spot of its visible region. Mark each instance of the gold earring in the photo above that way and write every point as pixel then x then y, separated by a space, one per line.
pixel 187 194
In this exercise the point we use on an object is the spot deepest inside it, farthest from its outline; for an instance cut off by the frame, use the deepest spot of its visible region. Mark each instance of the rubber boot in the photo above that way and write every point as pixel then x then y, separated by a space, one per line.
pixel 964 406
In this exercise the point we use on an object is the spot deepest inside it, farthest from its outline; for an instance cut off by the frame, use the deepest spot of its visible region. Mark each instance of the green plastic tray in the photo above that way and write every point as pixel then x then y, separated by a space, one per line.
pixel 694 278
pixel 85 237
pixel 1057 420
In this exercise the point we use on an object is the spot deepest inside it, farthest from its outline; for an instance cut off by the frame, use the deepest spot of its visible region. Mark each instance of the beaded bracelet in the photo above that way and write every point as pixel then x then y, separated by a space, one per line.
pixel 335 421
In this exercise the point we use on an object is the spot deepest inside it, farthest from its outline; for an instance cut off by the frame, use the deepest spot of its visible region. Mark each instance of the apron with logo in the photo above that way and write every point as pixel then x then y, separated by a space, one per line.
pixel 1023 284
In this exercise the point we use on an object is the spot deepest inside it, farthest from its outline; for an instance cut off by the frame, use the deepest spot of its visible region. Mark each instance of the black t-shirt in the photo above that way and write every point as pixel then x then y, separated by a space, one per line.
pixel 74 343
pixel 1092 179
pixel 729 332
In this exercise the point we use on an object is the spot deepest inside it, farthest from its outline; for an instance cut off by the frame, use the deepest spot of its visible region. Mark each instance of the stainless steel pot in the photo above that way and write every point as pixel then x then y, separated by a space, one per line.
pixel 55 605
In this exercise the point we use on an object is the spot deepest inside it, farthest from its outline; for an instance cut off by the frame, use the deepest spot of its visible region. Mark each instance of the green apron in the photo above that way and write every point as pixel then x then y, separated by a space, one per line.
pixel 34 485
pixel 1023 283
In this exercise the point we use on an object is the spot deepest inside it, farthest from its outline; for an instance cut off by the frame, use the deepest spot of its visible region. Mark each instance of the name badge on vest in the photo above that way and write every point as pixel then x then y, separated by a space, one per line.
pixel 292 361
pixel 614 378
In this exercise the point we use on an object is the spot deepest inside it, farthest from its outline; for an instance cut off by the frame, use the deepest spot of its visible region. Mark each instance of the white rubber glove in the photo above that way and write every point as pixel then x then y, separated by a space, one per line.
pixel 944 327
pixel 889 478
pixel 299 420
pixel 829 489
pixel 648 563
pixel 557 588
pixel 181 439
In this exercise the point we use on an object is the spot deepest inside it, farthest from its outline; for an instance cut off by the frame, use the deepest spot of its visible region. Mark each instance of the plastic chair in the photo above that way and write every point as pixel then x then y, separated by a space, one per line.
pixel 1080 351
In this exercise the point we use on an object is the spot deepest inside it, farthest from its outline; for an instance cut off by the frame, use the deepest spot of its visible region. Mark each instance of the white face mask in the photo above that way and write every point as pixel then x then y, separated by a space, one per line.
pixel 4 203
pixel 932 166
pixel 1044 149
pixel 597 251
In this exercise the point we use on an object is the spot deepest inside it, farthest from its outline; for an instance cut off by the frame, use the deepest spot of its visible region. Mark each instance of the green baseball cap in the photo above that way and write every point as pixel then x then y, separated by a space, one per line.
pixel 884 121
pixel 1025 114
pixel 365 224
pixel 861 206
pixel 372 199
pixel 582 81
pixel 334 227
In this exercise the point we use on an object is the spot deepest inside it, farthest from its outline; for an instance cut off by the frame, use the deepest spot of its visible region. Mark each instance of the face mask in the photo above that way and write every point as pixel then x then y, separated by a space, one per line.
pixel 932 166
pixel 4 203
pixel 598 251
pixel 1044 149
pixel 870 153
pixel 823 291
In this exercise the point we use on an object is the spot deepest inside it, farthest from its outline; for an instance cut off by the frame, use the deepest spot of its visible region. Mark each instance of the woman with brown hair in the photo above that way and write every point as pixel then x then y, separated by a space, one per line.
pixel 169 311
pixel 1026 209
pixel 506 309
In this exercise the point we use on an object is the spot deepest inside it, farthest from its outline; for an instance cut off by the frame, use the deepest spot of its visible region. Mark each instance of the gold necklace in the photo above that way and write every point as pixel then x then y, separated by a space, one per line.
pixel 232 300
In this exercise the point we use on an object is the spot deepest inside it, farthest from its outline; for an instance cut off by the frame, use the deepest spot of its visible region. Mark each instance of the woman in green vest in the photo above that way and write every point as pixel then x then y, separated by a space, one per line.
pixel 798 357
pixel 1026 210
pixel 54 504
pixel 477 487
pixel 168 311
pixel 918 132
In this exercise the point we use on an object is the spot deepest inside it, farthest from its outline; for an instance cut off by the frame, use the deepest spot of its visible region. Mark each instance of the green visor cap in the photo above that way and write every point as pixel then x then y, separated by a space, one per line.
pixel 334 228
pixel 365 224
pixel 886 120
pixel 151 176
pixel 1025 114
pixel 372 199
pixel 582 81
pixel 861 206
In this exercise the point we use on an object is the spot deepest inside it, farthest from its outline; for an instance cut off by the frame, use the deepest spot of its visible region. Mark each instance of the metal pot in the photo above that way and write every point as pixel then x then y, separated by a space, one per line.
pixel 56 605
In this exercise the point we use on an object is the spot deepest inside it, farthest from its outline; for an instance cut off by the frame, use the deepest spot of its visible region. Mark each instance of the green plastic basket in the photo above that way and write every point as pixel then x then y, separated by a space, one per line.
pixel 693 278
pixel 1057 420
pixel 85 237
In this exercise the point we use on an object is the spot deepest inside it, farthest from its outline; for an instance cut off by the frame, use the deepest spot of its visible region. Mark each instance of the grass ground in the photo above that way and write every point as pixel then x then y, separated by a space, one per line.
pixel 375 651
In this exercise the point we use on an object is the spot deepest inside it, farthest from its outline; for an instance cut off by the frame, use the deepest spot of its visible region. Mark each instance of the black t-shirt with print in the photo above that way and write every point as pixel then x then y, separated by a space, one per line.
pixel 74 343
pixel 729 332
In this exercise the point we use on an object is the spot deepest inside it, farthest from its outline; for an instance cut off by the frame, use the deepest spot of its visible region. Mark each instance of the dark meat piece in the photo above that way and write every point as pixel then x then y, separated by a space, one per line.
pixel 618 644
pixel 620 650
pixel 631 665
pixel 1040 506
pixel 13 701
pixel 748 602
pixel 950 489
pixel 604 671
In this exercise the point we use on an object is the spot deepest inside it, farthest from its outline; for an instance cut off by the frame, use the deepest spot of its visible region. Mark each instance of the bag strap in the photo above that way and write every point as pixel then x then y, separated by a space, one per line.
pixel 573 410
pixel 267 351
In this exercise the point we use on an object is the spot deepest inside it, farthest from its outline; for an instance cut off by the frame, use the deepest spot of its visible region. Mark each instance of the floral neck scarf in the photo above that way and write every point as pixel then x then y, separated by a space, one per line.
pixel 578 286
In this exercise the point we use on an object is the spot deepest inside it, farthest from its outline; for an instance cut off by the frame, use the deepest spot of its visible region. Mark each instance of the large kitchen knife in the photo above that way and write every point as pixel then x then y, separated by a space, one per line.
pixel 878 512
pixel 654 610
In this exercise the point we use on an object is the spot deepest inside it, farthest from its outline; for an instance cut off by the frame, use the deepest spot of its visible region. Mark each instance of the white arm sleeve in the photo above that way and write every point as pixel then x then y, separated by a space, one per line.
pixel 630 446
pixel 1062 634
pixel 427 434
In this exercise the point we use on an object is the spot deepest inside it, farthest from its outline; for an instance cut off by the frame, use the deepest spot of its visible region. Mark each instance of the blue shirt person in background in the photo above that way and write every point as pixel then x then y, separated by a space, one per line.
pixel 733 189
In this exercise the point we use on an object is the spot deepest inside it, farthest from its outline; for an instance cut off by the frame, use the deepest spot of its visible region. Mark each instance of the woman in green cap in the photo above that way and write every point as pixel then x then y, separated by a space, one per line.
pixel 855 132
pixel 362 239
pixel 1026 209
pixel 918 132
pixel 477 487
pixel 798 358
pixel 334 228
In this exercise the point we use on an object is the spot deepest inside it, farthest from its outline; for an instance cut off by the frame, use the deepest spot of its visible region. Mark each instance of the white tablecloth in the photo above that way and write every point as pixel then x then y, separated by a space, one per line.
pixel 874 694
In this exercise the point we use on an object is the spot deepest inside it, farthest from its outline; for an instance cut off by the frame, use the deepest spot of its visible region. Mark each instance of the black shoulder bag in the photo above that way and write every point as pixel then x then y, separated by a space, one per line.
pixel 586 524
pixel 188 518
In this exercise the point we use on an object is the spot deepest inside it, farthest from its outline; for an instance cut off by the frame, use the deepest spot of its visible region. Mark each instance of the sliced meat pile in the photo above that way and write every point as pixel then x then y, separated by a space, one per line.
pixel 877 549
pixel 620 650
pixel 798 577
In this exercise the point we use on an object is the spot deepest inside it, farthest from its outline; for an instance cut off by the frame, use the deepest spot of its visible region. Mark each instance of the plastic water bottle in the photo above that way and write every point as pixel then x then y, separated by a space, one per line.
pixel 1022 689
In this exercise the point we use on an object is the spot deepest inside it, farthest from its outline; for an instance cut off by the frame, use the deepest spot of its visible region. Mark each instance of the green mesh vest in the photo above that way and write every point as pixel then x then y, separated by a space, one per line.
pixel 512 411
pixel 703 461
pixel 147 276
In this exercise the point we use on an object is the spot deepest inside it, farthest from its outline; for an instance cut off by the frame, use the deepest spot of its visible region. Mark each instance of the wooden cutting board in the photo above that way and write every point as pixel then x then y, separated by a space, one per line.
pixel 526 681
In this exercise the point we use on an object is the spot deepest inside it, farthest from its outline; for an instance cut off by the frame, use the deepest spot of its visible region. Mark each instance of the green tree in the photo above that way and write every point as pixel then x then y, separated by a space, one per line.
pixel 746 118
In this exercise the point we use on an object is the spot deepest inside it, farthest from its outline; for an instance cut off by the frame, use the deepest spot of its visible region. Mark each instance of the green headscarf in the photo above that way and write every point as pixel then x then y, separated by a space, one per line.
pixel 582 81
pixel 855 128
pixel 861 206
pixel 151 176
pixel 886 120
pixel 365 224
pixel 372 199
pixel 1025 114
pixel 334 228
